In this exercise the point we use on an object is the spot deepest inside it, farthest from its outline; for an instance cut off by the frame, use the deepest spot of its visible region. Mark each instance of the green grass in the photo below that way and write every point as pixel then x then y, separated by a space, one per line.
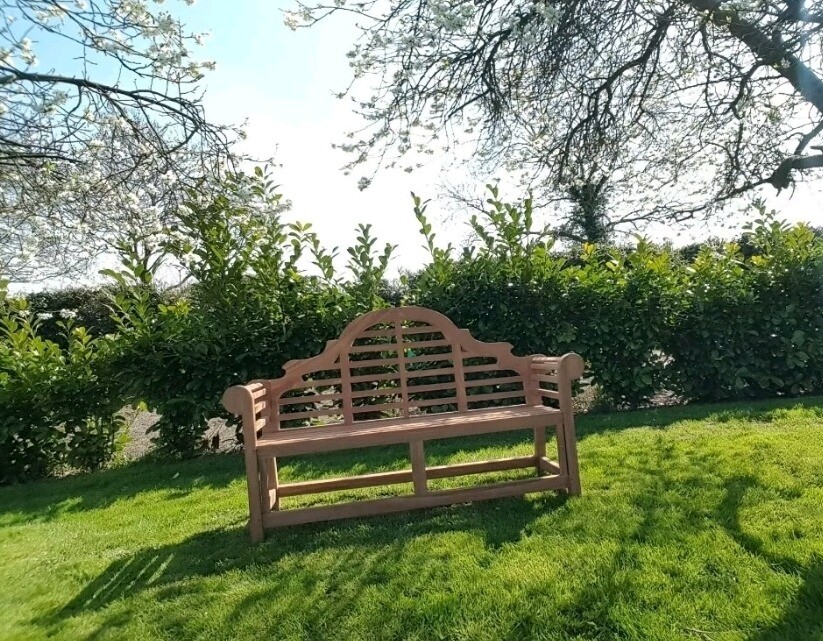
pixel 696 523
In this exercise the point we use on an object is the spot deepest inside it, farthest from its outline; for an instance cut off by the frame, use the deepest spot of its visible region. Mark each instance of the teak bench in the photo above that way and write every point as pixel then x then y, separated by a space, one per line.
pixel 403 375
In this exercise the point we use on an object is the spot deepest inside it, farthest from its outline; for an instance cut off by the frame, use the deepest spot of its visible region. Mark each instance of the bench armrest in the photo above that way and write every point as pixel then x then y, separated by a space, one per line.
pixel 570 363
pixel 248 402
pixel 556 370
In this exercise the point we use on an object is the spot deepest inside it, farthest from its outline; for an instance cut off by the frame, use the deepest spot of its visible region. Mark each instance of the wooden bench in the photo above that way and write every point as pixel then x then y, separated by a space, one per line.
pixel 404 375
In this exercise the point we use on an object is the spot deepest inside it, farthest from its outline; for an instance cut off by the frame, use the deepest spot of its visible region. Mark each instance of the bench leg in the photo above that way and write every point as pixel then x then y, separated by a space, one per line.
pixel 271 484
pixel 255 498
pixel 561 450
pixel 570 453
pixel 539 446
pixel 418 461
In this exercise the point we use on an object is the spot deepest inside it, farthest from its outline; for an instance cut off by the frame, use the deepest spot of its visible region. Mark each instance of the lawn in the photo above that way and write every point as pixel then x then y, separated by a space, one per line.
pixel 696 523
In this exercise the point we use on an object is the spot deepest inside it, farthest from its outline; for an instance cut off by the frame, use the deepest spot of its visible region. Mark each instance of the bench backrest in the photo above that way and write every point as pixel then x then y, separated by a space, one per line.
pixel 393 362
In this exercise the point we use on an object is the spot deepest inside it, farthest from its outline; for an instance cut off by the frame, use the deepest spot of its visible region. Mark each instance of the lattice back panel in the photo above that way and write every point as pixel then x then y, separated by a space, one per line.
pixel 399 367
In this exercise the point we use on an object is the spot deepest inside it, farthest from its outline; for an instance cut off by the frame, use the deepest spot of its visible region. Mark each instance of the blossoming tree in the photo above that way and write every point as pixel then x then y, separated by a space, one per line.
pixel 679 106
pixel 100 137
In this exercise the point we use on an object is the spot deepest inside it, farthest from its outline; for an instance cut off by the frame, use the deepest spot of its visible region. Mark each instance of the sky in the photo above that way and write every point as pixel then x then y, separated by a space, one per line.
pixel 282 83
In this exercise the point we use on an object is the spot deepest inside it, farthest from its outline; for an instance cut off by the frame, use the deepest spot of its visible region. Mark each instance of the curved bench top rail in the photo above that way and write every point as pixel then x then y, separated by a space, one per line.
pixel 460 340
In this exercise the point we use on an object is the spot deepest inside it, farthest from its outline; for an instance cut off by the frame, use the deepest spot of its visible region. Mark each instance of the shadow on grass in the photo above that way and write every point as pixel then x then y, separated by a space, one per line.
pixel 592 613
pixel 758 411
pixel 320 573
pixel 48 499
pixel 375 539
pixel 802 620
pixel 316 577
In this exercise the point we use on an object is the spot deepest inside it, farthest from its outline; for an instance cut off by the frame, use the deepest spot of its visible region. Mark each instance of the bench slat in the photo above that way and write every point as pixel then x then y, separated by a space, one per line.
pixel 483 382
pixel 293 416
pixel 373 362
pixel 379 333
pixel 549 393
pixel 431 358
pixel 379 391
pixel 345 483
pixel 304 440
pixel 489 367
pixel 403 503
pixel 480 467
pixel 309 399
pixel 434 387
pixel 369 378
pixel 378 407
pixel 377 347
pixel 405 476
pixel 549 467
pixel 425 373
pixel 494 396
pixel 393 347
pixel 259 392
pixel 326 382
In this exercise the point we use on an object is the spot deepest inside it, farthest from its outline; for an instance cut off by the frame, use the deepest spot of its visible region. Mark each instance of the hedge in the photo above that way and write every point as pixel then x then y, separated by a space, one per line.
pixel 725 324
pixel 720 327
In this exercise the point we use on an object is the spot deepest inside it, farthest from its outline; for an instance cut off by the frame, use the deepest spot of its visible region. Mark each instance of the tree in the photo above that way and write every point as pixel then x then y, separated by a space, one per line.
pixel 578 214
pixel 681 105
pixel 98 143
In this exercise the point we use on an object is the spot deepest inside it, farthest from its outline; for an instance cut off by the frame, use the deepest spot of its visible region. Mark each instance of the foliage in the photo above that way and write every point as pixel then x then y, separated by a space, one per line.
pixel 253 306
pixel 723 326
pixel 87 307
pixel 751 327
pixel 58 408
pixel 697 518
pixel 588 220
pixel 682 106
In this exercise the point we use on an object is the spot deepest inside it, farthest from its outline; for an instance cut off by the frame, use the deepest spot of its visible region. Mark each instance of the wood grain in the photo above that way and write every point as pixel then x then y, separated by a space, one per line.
pixel 359 357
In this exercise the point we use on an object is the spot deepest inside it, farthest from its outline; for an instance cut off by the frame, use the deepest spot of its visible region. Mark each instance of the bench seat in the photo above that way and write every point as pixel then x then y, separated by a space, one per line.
pixel 305 440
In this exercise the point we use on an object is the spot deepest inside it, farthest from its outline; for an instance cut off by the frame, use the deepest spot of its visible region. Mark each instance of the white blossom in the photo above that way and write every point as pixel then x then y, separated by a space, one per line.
pixel 68 313
pixel 291 19
pixel 26 52
pixel 447 18
pixel 547 12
